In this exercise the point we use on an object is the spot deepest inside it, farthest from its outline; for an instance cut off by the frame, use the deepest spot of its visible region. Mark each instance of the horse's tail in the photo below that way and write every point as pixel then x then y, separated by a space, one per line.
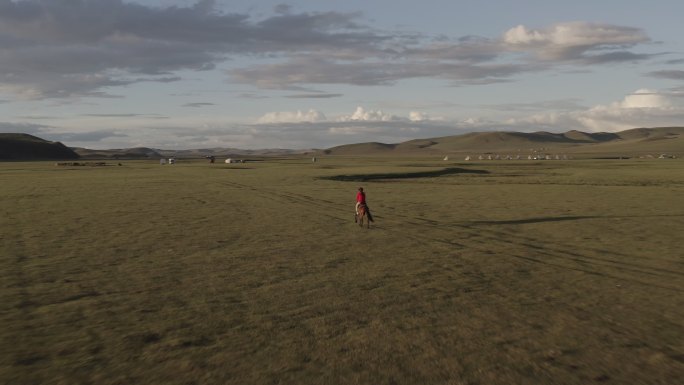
pixel 368 213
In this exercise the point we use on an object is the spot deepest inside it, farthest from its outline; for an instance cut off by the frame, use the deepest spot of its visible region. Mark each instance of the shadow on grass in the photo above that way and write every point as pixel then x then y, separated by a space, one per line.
pixel 533 220
pixel 235 168
pixel 568 218
pixel 403 175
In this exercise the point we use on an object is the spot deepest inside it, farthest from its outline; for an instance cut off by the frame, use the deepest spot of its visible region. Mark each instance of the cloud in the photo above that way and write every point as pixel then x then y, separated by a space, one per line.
pixel 39 117
pixel 129 115
pixel 311 116
pixel 59 48
pixel 668 74
pixel 363 115
pixel 88 137
pixel 293 73
pixel 332 132
pixel 644 98
pixel 642 108
pixel 577 41
pixel 25 128
pixel 546 105
pixel 196 105
pixel 360 115
pixel 466 61
pixel 58 134
pixel 66 49
pixel 417 116
pixel 362 125
pixel 313 96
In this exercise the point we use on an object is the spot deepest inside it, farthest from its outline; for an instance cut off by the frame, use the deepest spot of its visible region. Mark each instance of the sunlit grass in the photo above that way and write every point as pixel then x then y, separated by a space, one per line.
pixel 522 272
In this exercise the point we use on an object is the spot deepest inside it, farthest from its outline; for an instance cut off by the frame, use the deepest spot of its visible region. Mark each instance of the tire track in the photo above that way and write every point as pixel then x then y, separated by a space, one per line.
pixel 481 239
pixel 560 257
pixel 564 249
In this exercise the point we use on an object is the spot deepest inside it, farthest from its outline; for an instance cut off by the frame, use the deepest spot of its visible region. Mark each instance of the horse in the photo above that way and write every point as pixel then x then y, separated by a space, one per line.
pixel 363 213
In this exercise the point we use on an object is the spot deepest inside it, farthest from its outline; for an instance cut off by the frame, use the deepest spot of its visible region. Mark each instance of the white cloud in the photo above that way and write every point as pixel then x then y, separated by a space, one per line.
pixel 645 98
pixel 577 33
pixel 523 35
pixel 363 125
pixel 417 116
pixel 359 115
pixel 65 49
pixel 311 116
pixel 364 115
pixel 642 108
pixel 591 42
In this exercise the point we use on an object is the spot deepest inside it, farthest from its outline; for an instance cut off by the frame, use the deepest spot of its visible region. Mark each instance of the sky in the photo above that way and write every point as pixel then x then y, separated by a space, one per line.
pixel 308 74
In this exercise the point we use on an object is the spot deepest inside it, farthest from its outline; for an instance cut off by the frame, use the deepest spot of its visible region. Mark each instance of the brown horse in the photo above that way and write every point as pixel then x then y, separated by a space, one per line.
pixel 363 213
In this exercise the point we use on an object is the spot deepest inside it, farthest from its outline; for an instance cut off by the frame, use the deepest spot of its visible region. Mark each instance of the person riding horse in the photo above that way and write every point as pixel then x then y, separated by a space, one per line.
pixel 361 200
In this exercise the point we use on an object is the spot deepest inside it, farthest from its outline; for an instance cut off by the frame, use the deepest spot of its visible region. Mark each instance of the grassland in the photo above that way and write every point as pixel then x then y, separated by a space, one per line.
pixel 555 272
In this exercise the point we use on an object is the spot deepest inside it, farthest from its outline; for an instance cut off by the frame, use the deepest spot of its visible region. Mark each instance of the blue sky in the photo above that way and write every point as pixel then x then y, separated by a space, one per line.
pixel 315 74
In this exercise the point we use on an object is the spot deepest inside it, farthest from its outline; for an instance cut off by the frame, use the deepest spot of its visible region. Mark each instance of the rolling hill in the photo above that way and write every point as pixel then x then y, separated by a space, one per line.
pixel 628 143
pixel 632 142
pixel 125 153
pixel 151 153
pixel 29 147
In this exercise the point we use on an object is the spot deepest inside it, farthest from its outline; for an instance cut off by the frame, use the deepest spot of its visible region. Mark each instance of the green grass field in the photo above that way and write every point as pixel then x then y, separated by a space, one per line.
pixel 552 272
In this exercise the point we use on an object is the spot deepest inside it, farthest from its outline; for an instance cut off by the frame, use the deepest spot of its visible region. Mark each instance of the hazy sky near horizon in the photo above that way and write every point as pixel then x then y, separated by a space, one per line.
pixel 315 74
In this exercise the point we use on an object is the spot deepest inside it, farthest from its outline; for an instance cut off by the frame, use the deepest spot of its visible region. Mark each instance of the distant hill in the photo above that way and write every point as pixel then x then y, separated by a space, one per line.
pixel 362 148
pixel 632 142
pixel 124 153
pixel 220 152
pixel 29 147
pixel 150 153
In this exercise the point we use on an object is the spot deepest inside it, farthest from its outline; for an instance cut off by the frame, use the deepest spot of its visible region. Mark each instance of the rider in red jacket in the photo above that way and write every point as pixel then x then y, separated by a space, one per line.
pixel 361 200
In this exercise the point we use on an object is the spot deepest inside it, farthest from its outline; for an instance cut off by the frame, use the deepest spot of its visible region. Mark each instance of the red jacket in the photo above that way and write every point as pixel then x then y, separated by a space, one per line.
pixel 361 197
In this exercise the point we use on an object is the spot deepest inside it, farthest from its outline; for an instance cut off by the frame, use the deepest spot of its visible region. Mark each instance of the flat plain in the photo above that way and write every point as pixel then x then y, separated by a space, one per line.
pixel 500 272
